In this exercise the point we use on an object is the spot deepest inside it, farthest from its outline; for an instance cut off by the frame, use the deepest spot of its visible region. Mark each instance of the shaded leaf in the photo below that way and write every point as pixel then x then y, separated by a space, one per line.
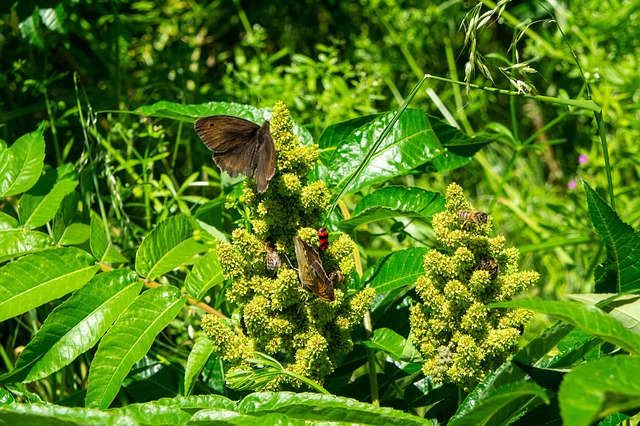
pixel 497 408
pixel 22 163
pixel 129 340
pixel 168 246
pixel 394 201
pixel 38 278
pixel 607 385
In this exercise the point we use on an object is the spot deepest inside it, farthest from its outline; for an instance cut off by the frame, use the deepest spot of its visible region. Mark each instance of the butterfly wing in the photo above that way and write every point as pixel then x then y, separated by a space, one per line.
pixel 264 158
pixel 235 143
pixel 310 271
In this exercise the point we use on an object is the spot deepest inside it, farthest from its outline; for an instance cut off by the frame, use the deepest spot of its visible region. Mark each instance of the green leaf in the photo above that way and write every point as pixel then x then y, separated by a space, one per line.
pixel 18 242
pixel 621 245
pixel 395 270
pixel 101 247
pixel 394 201
pixel 600 387
pixel 129 340
pixel 55 415
pixel 590 319
pixel 623 307
pixel 177 111
pixel 313 407
pixel 54 19
pixel 30 30
pixel 22 163
pixel 497 408
pixel 459 148
pixel 168 246
pixel 75 234
pixel 38 278
pixel 76 325
pixel 412 142
pixel 396 346
pixel 40 204
pixel 198 357
pixel 205 274
pixel 65 218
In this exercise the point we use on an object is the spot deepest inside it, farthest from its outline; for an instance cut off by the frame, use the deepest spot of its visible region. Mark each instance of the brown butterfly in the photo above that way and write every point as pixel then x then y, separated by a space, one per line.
pixel 239 146
pixel 310 270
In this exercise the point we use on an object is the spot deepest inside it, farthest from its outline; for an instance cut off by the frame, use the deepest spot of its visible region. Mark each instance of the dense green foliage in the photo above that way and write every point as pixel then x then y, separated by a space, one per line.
pixel 107 191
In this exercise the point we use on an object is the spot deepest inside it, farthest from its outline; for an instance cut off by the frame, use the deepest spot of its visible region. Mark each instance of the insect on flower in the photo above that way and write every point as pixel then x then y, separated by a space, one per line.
pixel 473 216
pixel 311 272
pixel 272 259
pixel 490 265
pixel 323 239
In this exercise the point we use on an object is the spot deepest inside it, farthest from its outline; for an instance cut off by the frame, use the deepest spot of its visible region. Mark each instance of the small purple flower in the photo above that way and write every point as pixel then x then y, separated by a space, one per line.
pixel 572 184
pixel 583 158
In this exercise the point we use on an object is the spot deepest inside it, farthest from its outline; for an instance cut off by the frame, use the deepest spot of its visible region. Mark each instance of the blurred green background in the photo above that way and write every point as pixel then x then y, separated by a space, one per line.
pixel 330 61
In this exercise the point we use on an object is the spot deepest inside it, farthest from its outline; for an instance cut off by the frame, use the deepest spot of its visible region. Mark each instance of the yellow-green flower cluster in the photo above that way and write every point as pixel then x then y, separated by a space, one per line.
pixel 303 332
pixel 461 341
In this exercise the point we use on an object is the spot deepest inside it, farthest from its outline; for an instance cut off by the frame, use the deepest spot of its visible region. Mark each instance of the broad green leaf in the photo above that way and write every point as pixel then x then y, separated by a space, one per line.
pixel 313 407
pixel 18 242
pixel 394 201
pixel 76 325
pixel 31 31
pixel 65 216
pixel 496 409
pixel 590 319
pixel 458 147
pixel 101 246
pixel 412 142
pixel 396 346
pixel 152 414
pixel 177 111
pixel 623 307
pixel 40 203
pixel 168 246
pixel 38 414
pixel 8 222
pixel 41 277
pixel 205 274
pixel 54 19
pixel 600 387
pixel 395 270
pixel 198 357
pixel 622 245
pixel 22 163
pixel 128 340
pixel 75 234
pixel 334 135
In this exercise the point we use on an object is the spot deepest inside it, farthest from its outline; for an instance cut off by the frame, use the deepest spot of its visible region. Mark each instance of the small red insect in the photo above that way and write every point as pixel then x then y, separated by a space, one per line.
pixel 323 238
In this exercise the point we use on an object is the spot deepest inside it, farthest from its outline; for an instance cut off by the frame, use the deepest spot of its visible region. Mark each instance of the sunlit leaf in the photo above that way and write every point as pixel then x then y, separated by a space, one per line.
pixel 22 163
pixel 38 278
pixel 128 340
